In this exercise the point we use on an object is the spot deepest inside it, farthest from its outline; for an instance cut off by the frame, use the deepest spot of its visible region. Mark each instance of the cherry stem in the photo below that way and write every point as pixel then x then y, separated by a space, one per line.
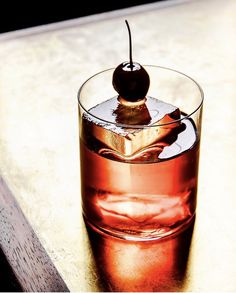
pixel 130 45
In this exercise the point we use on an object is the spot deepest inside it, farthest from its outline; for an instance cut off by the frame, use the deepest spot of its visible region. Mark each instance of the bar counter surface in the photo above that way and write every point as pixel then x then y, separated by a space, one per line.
pixel 41 71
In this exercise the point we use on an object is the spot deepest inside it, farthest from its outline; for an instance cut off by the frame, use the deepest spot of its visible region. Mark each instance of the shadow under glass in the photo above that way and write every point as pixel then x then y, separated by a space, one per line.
pixel 145 266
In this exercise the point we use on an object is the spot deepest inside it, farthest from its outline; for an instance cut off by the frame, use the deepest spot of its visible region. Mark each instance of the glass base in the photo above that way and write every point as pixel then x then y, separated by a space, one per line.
pixel 147 235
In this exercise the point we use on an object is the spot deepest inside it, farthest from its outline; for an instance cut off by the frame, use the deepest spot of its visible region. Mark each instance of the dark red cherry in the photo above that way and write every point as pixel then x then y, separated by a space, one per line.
pixel 131 81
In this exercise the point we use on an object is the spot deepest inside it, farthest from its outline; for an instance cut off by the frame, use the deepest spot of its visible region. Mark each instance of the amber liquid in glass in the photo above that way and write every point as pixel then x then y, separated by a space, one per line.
pixel 150 196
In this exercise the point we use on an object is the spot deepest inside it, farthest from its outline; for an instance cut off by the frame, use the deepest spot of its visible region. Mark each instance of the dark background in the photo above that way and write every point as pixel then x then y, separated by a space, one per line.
pixel 16 15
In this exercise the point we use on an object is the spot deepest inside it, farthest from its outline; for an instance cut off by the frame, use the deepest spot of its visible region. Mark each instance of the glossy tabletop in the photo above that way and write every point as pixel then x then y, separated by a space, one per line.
pixel 41 71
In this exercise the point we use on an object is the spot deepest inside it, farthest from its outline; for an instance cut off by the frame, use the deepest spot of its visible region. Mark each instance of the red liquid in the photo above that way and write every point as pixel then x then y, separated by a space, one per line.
pixel 142 199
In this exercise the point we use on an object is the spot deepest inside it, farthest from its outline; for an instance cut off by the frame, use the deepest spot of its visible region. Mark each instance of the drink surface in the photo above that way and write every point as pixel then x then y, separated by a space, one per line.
pixel 136 182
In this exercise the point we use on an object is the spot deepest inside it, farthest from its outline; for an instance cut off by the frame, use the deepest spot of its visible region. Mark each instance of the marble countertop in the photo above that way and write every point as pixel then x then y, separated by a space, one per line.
pixel 41 71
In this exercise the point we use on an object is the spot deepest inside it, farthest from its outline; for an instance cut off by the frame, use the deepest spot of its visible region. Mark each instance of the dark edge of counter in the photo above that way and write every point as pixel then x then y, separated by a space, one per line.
pixel 23 260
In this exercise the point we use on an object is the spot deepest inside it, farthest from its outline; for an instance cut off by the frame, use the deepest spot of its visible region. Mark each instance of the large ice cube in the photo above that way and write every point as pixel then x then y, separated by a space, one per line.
pixel 108 129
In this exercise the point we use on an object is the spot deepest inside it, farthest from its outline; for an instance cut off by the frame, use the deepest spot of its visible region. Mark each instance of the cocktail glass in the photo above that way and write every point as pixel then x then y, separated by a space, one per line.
pixel 139 175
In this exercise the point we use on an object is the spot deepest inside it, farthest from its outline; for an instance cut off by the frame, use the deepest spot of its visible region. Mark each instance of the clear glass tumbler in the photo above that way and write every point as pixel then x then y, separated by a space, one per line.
pixel 139 175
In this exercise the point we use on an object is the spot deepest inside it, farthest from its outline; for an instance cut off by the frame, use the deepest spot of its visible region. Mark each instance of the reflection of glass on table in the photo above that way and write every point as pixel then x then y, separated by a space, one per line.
pixel 141 266
pixel 139 180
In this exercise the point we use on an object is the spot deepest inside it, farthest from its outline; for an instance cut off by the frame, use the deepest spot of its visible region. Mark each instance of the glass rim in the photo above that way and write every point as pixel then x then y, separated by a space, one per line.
pixel 141 126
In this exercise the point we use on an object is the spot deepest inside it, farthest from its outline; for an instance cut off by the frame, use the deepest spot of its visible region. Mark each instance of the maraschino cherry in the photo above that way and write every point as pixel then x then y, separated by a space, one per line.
pixel 130 79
